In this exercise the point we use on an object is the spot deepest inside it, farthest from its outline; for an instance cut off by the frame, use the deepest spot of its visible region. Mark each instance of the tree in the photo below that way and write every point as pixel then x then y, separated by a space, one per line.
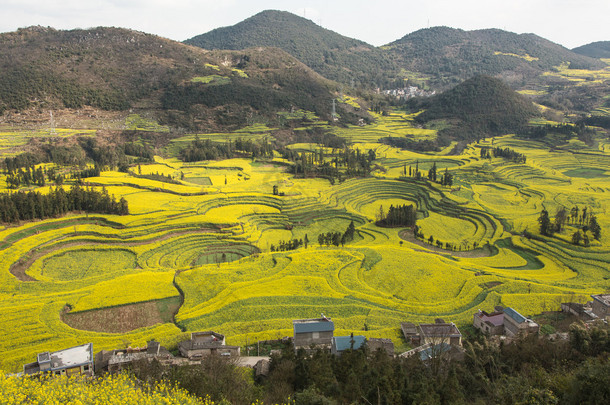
pixel 576 237
pixel 546 227
pixel 596 230
pixel 560 218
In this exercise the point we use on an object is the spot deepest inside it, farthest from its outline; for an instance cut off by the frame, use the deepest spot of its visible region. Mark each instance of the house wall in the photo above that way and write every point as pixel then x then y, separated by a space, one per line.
pixel 313 338
pixel 487 327
pixel 511 328
pixel 600 309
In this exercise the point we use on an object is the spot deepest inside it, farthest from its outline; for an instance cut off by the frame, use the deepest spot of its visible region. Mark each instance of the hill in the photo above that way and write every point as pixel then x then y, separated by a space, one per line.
pixel 452 55
pixel 332 55
pixel 600 49
pixel 117 69
pixel 479 106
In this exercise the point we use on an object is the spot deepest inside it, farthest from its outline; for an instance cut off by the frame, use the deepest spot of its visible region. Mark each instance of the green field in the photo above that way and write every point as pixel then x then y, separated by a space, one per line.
pixel 210 237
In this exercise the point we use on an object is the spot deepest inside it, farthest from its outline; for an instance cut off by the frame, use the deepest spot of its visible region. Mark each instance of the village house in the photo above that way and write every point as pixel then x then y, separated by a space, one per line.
pixel 516 324
pixel 375 344
pixel 72 361
pixel 491 324
pixel 433 333
pixel 114 361
pixel 339 344
pixel 313 332
pixel 601 306
pixel 204 344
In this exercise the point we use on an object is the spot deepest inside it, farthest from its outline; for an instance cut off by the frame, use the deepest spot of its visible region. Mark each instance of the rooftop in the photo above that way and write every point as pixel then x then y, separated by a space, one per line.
pixel 516 316
pixel 345 342
pixel 313 325
pixel 439 330
pixel 74 356
pixel 603 298
pixel 495 318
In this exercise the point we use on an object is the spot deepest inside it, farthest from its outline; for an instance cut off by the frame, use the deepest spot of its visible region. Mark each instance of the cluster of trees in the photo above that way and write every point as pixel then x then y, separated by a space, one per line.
pixel 445 179
pixel 579 130
pixel 339 164
pixel 585 219
pixel 426 145
pixel 142 151
pixel 506 153
pixel 28 176
pixel 291 244
pixel 207 150
pixel 529 370
pixel 22 206
pixel 399 216
pixel 338 238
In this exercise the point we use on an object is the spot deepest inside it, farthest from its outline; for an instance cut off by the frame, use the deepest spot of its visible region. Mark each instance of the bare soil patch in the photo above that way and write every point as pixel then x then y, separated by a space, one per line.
pixel 124 318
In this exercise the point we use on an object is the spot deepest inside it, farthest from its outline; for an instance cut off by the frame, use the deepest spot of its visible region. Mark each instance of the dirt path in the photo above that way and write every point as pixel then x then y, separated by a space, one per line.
pixel 407 234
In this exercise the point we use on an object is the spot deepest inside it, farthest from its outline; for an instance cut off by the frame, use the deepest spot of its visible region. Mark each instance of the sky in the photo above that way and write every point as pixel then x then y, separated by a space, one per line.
pixel 570 23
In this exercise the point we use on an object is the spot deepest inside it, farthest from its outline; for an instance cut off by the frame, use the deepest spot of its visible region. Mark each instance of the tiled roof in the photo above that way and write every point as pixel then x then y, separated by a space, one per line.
pixel 516 316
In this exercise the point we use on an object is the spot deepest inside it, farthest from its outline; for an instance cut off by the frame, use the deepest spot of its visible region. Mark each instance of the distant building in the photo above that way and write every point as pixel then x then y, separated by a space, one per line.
pixel 516 324
pixel 433 333
pixel 601 305
pixel 409 330
pixel 440 332
pixel 491 324
pixel 317 332
pixel 75 360
pixel 375 344
pixel 114 361
pixel 204 344
pixel 339 344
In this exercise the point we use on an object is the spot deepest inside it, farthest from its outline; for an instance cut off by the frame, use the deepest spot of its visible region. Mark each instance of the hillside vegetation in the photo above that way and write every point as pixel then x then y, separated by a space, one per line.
pixel 332 55
pixel 118 69
pixel 476 108
pixel 600 49
pixel 451 55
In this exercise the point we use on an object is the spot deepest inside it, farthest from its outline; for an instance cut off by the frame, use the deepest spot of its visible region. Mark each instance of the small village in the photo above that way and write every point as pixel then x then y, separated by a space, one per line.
pixel 429 341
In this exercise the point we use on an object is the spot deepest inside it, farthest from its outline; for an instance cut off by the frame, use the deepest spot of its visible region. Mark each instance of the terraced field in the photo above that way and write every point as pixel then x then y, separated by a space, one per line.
pixel 197 255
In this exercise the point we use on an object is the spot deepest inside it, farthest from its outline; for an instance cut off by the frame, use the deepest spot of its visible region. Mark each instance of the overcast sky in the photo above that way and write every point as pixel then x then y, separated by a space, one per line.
pixel 570 23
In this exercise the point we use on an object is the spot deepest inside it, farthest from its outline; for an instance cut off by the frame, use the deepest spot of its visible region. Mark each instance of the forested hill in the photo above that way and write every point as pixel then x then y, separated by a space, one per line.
pixel 600 49
pixel 184 86
pixel 479 106
pixel 453 55
pixel 332 55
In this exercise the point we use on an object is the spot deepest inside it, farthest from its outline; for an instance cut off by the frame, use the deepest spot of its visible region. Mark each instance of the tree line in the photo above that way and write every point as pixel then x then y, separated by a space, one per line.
pixel 506 153
pixel 584 219
pixel 26 206
pixel 199 150
pixel 399 216
pixel 444 179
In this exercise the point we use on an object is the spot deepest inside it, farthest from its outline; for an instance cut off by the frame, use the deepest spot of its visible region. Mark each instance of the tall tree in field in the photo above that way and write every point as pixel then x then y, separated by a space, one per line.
pixel 596 230
pixel 560 218
pixel 546 228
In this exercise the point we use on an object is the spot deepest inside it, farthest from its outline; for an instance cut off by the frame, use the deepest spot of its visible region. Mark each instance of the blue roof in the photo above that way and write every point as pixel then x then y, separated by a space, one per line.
pixel 344 342
pixel 515 315
pixel 315 326
pixel 433 351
